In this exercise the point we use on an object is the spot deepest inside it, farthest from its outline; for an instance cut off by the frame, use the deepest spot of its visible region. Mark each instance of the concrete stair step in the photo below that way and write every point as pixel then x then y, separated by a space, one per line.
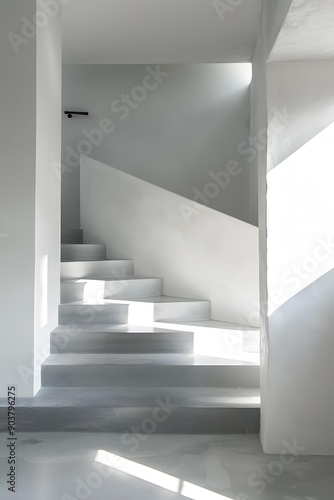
pixel 79 313
pixel 77 252
pixel 146 370
pixel 119 339
pixel 163 410
pixel 137 311
pixel 213 338
pixel 69 236
pixel 100 269
pixel 110 288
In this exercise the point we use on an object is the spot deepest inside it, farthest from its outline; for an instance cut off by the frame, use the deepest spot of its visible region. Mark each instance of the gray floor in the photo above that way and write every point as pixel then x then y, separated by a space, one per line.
pixel 62 466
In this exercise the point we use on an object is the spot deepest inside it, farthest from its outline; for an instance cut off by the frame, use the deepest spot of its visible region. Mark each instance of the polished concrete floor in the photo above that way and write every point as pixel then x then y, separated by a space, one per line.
pixel 64 466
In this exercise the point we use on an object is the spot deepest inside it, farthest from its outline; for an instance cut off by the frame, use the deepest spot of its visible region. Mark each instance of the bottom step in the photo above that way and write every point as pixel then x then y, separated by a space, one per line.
pixel 163 410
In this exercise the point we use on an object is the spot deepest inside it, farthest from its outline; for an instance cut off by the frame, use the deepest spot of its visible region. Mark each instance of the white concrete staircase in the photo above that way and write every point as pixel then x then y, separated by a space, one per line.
pixel 122 347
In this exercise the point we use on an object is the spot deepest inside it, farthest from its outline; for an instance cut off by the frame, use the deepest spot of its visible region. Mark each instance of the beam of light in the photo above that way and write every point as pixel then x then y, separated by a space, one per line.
pixel 141 313
pixel 158 478
pixel 300 219
pixel 190 490
pixel 139 471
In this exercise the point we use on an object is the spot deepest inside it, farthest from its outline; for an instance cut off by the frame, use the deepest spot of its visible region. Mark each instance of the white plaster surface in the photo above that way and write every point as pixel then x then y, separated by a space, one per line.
pixel 169 32
pixel 296 364
pixel 307 33
pixel 300 106
pixel 190 124
pixel 300 220
pixel 209 256
pixel 29 195
pixel 301 394
pixel 47 204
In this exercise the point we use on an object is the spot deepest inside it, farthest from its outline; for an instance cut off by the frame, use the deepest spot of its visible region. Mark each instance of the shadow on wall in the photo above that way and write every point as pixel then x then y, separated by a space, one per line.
pixel 170 125
pixel 200 253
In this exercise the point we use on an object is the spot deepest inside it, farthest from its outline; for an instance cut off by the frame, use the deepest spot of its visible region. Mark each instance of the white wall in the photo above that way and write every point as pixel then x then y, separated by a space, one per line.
pixel 301 371
pixel 199 252
pixel 259 125
pixel 47 216
pixel 304 91
pixel 300 230
pixel 276 12
pixel 24 193
pixel 296 338
pixel 300 257
pixel 17 202
pixel 192 123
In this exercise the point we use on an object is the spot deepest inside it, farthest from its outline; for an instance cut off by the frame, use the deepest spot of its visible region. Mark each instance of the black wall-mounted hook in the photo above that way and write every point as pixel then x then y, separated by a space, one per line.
pixel 71 113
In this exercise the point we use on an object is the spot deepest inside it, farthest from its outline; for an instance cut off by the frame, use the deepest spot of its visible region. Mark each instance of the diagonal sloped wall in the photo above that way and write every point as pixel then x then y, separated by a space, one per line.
pixel 200 253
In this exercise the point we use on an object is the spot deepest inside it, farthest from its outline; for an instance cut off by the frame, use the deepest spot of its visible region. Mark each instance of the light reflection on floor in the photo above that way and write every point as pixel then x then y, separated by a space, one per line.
pixel 63 466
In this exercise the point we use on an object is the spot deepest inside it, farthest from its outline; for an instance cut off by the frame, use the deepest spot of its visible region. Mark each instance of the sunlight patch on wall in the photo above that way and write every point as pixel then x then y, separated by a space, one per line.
pixel 300 219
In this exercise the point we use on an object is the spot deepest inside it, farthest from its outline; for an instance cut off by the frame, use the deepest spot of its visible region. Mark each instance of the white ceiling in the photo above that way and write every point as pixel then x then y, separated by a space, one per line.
pixel 307 33
pixel 158 31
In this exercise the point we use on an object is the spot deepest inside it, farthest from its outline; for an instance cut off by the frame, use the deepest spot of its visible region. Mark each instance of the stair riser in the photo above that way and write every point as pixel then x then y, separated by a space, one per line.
pixel 143 313
pixel 95 270
pixel 118 289
pixel 116 313
pixel 71 236
pixel 183 311
pixel 138 313
pixel 121 420
pixel 149 376
pixel 112 343
pixel 83 252
pixel 124 289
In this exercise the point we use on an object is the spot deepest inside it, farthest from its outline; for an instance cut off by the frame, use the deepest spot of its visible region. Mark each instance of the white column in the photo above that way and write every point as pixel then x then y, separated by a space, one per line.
pixel 297 249
pixel 29 188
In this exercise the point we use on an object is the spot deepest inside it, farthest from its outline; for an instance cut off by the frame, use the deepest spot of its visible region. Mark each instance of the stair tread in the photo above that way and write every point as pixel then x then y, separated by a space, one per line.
pixel 83 245
pixel 141 397
pixel 220 325
pixel 111 328
pixel 161 299
pixel 130 359
pixel 96 261
pixel 113 278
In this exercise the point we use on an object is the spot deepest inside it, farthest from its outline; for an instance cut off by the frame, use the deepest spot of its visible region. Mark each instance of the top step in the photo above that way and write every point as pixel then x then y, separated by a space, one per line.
pixel 69 236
